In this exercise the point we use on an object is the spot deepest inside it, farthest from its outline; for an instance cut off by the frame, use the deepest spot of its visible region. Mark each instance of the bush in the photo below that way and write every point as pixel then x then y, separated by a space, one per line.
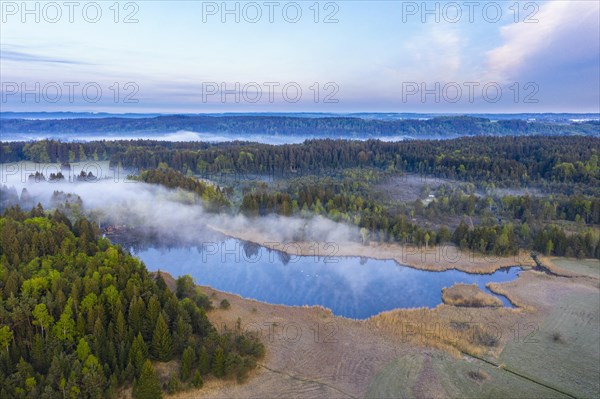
pixel 484 337
pixel 225 304
pixel 558 338
pixel 477 375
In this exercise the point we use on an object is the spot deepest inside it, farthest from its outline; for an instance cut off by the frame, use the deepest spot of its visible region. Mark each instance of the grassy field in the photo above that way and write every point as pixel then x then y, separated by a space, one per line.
pixel 440 375
pixel 586 267
pixel 397 378
pixel 564 351
pixel 549 349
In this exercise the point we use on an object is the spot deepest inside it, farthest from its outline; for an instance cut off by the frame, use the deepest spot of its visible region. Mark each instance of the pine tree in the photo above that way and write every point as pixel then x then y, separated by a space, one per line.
pixel 162 343
pixel 174 384
pixel 204 361
pixel 93 381
pixel 218 368
pixel 83 350
pixel 138 354
pixel 187 361
pixel 137 310
pixel 120 328
pixel 152 314
pixel 197 382
pixel 147 386
pixel 160 282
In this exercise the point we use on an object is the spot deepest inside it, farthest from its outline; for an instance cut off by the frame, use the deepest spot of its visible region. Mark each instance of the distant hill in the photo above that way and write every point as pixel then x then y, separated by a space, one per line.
pixel 345 127
pixel 538 117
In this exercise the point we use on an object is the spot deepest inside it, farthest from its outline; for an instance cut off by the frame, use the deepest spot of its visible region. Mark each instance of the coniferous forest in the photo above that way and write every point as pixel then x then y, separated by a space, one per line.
pixel 494 160
pixel 81 318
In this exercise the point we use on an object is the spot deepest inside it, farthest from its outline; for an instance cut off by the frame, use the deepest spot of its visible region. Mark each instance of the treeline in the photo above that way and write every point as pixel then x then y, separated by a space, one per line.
pixel 508 239
pixel 443 126
pixel 331 200
pixel 81 318
pixel 213 196
pixel 504 224
pixel 498 161
pixel 524 208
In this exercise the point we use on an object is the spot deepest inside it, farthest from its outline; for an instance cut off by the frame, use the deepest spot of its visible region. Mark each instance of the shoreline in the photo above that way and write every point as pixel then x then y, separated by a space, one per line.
pixel 435 258
pixel 309 348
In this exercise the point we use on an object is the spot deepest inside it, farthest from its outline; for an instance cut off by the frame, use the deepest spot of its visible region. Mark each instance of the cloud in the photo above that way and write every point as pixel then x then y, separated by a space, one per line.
pixel 437 53
pixel 431 54
pixel 565 38
pixel 19 56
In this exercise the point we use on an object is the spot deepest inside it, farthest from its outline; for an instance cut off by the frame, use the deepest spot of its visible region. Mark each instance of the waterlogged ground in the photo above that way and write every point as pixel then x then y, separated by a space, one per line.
pixel 352 287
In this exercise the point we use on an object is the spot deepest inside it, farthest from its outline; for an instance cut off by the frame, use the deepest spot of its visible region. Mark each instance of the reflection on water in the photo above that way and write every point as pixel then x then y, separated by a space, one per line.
pixel 354 287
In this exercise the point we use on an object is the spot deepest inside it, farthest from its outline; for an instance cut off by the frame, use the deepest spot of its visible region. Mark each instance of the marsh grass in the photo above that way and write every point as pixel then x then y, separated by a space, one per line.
pixel 449 328
pixel 468 295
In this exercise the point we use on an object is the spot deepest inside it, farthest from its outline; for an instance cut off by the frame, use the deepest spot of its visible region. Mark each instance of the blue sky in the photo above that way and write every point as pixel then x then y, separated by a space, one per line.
pixel 371 56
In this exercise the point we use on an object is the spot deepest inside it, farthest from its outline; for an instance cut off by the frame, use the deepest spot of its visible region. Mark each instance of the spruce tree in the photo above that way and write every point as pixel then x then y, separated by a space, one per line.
pixel 197 382
pixel 138 354
pixel 187 361
pixel 147 386
pixel 218 368
pixel 162 343
pixel 204 361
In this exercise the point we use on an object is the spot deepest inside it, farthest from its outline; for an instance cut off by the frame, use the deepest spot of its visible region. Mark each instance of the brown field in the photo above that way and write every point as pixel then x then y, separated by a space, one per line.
pixel 447 351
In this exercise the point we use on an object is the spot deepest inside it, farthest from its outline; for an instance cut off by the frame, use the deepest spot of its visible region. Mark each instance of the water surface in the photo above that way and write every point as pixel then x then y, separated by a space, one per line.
pixel 352 287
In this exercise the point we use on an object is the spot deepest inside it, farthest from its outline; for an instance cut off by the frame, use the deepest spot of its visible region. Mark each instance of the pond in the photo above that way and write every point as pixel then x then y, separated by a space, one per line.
pixel 352 287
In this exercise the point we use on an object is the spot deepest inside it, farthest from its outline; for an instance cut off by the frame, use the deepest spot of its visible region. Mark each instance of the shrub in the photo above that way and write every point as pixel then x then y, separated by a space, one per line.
pixel 225 304
pixel 477 375
pixel 558 338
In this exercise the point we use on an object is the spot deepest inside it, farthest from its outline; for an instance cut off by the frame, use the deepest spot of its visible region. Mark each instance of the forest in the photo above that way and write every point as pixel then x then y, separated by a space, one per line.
pixel 503 224
pixel 82 318
pixel 351 127
pixel 213 197
pixel 560 163
pixel 351 182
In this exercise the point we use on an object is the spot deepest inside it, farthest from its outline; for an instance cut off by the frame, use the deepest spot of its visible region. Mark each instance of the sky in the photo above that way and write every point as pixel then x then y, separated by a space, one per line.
pixel 303 56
